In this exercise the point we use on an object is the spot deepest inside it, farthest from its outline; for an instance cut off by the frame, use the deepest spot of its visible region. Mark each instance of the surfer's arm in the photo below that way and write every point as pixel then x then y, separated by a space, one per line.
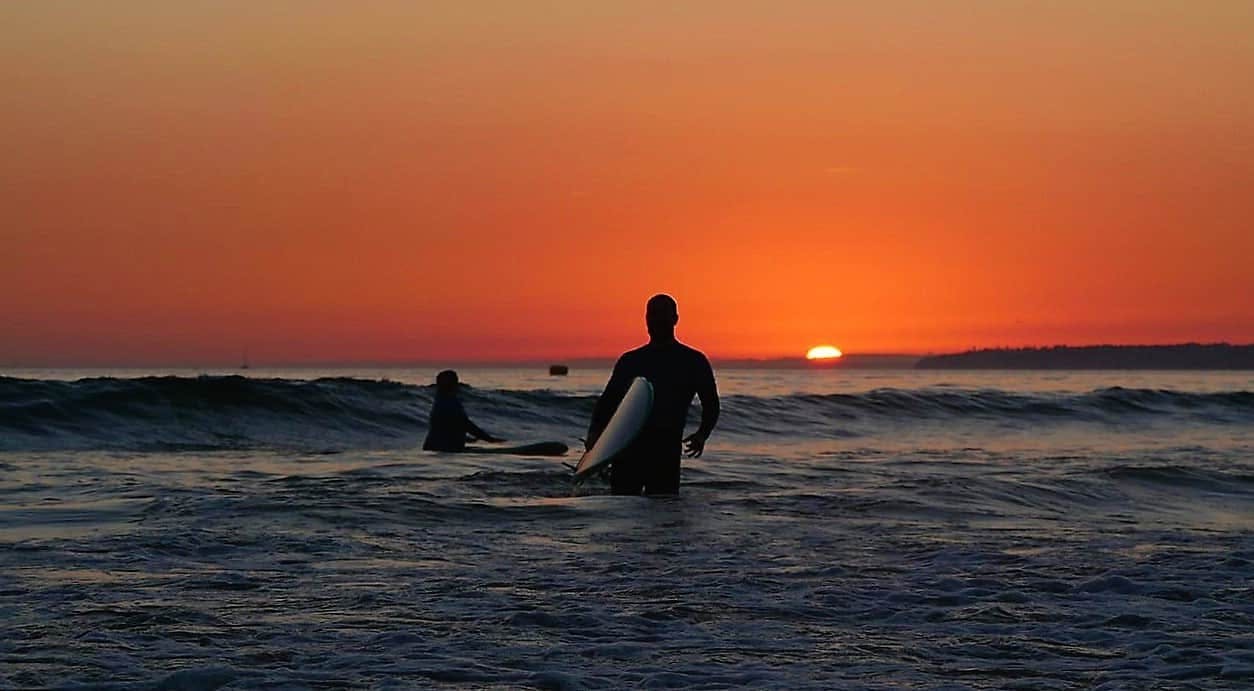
pixel 477 432
pixel 472 430
pixel 707 392
pixel 608 403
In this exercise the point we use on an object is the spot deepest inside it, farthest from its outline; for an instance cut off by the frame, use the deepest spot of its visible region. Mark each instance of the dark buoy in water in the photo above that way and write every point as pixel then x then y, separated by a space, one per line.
pixel 559 370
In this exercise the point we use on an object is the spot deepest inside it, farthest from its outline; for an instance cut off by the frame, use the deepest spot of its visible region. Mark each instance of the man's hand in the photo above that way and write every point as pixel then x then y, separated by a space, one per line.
pixel 695 444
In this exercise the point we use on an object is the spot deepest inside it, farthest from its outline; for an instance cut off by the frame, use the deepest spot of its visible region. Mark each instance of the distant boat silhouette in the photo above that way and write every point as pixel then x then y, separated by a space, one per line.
pixel 558 370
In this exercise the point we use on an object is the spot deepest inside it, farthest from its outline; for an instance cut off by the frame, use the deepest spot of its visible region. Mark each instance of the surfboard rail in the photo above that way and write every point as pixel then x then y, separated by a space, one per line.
pixel 624 426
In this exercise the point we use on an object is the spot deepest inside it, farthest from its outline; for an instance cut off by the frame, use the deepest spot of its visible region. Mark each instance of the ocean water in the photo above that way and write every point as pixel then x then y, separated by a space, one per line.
pixel 845 529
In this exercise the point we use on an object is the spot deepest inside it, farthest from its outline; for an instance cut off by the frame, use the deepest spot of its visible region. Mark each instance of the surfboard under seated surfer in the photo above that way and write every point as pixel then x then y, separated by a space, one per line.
pixel 677 372
pixel 450 427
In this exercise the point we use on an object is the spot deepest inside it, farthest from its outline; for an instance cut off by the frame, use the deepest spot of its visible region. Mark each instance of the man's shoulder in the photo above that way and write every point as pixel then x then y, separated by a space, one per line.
pixel 693 353
pixel 633 355
pixel 672 352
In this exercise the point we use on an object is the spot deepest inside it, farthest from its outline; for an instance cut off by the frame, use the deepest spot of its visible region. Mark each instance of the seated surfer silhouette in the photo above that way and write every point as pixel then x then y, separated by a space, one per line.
pixel 449 426
pixel 651 464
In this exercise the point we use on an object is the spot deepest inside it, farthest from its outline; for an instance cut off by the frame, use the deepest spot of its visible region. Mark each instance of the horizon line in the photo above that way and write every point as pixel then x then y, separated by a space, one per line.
pixel 439 362
pixel 598 361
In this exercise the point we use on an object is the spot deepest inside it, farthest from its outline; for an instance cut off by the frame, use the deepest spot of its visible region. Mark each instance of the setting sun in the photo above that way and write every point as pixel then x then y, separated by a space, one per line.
pixel 823 352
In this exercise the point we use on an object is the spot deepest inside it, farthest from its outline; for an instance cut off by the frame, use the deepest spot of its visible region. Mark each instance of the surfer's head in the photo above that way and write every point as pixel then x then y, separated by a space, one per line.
pixel 446 382
pixel 661 315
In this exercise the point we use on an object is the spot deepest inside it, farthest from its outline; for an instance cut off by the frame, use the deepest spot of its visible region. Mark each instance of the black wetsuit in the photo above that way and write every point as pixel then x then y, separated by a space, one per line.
pixel 449 426
pixel 677 372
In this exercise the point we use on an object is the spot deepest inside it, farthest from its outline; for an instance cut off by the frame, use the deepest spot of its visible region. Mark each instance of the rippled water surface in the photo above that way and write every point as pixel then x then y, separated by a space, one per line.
pixel 871 530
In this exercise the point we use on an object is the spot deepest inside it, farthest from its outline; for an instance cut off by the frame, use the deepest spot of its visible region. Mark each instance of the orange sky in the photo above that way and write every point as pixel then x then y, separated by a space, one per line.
pixel 504 180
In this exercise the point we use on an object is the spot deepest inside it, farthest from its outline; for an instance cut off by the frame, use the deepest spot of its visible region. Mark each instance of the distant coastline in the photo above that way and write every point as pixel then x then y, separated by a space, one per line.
pixel 1184 356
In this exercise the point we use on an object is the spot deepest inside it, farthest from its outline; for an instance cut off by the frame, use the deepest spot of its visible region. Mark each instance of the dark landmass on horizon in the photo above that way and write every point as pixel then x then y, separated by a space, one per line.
pixel 1183 356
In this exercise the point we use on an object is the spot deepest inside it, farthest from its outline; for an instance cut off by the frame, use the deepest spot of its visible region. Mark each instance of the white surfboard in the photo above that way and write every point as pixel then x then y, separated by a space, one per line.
pixel 627 421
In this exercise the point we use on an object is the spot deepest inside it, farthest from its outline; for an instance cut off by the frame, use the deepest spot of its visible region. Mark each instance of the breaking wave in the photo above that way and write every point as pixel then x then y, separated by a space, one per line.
pixel 234 412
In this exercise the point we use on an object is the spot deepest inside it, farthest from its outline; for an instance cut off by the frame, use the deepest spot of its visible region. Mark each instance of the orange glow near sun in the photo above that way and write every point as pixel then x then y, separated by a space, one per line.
pixel 823 352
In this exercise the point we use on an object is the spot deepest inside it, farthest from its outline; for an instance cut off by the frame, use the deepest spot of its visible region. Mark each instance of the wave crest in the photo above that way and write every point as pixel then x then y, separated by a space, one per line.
pixel 234 412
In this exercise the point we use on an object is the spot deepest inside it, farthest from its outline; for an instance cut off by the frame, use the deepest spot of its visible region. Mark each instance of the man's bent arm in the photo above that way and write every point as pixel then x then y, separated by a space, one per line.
pixel 475 431
pixel 707 391
pixel 479 433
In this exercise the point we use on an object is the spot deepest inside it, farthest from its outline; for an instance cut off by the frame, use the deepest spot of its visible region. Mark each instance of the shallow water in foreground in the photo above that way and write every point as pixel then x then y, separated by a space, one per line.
pixel 871 547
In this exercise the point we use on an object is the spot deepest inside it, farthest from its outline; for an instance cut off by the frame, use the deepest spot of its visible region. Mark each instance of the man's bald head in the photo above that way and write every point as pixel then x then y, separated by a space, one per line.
pixel 661 315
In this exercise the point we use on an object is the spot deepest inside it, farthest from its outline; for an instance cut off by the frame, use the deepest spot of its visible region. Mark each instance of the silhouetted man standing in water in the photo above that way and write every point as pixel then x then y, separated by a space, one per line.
pixel 677 372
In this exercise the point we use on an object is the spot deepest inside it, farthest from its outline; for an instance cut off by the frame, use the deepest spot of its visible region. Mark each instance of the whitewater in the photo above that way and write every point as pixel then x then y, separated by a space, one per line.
pixel 845 529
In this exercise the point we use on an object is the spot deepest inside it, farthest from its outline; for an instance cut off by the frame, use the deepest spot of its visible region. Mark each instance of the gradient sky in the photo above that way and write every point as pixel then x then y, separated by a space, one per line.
pixel 496 180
